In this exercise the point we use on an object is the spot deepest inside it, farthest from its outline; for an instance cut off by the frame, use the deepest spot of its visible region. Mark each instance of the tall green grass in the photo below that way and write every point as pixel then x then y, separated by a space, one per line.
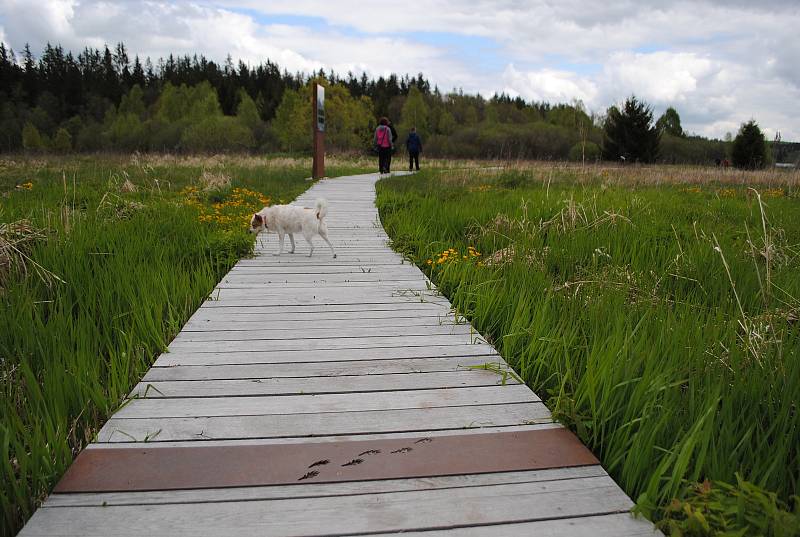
pixel 661 323
pixel 102 286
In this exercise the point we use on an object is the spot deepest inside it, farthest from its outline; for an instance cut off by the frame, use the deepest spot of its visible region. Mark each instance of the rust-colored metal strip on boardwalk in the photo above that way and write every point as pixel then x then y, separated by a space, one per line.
pixel 172 468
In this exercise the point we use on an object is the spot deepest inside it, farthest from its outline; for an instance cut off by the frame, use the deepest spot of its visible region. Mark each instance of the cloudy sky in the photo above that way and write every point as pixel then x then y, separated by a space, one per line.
pixel 718 62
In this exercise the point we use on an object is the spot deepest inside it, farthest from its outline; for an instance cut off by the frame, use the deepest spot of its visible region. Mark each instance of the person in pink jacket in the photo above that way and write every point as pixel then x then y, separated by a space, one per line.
pixel 383 144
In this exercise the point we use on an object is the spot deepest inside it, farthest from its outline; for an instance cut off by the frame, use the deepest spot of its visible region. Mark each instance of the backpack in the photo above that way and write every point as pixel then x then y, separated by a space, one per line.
pixel 383 137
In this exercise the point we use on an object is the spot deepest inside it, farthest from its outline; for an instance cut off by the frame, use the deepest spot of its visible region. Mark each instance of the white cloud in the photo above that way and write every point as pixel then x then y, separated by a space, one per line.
pixel 548 85
pixel 660 77
pixel 51 18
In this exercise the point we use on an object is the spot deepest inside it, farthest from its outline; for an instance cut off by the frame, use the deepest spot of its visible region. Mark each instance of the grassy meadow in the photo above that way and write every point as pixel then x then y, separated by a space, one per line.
pixel 655 309
pixel 102 260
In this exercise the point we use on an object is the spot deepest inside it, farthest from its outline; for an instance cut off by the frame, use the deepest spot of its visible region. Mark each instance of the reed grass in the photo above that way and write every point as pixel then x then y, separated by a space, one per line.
pixel 111 255
pixel 659 319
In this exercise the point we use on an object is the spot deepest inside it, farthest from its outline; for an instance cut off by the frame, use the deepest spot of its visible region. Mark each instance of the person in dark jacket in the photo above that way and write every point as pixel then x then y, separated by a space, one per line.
pixel 394 139
pixel 383 143
pixel 414 147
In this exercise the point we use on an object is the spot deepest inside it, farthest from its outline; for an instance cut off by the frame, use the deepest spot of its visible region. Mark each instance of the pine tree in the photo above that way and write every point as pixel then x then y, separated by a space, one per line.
pixel 629 134
pixel 749 147
pixel 110 83
pixel 30 77
pixel 137 77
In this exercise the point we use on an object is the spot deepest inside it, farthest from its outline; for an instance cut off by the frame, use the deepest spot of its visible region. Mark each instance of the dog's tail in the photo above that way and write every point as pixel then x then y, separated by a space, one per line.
pixel 322 208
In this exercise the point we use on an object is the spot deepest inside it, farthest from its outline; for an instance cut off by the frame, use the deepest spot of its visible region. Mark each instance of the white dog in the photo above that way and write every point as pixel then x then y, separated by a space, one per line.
pixel 290 219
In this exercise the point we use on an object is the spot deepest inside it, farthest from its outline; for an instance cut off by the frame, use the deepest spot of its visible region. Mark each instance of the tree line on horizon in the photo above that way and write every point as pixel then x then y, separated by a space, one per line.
pixel 101 100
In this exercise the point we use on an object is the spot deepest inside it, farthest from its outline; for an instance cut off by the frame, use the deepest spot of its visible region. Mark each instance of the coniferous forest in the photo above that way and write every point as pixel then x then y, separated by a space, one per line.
pixel 104 100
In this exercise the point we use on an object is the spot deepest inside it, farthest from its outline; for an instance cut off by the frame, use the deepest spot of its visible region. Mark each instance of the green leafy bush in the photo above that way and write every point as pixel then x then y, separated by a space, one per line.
pixel 217 133
pixel 723 510
pixel 589 151
pixel 31 139
pixel 62 141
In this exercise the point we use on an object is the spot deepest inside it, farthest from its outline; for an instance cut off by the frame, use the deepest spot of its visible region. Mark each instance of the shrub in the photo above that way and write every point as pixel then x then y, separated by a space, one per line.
pixel 740 509
pixel 31 139
pixel 690 149
pixel 90 137
pixel 62 141
pixel 164 135
pixel 589 152
pixel 126 132
pixel 217 133
pixel 749 147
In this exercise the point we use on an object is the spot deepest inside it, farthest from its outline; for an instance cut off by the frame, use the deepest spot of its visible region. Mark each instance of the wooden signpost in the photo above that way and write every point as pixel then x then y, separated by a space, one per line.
pixel 318 100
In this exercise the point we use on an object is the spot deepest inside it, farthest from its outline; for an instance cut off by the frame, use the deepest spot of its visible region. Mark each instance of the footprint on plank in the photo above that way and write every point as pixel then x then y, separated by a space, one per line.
pixel 309 475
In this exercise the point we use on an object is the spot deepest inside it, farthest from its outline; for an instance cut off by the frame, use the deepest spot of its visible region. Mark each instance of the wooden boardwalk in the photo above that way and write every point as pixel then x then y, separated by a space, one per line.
pixel 320 396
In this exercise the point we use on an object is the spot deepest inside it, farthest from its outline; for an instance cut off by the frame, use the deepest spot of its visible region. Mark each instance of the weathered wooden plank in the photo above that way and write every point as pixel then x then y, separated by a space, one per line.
pixel 287 284
pixel 364 310
pixel 393 511
pixel 399 277
pixel 303 275
pixel 323 279
pixel 314 490
pixel 314 323
pixel 321 370
pixel 352 294
pixel 311 267
pixel 359 245
pixel 320 254
pixel 408 359
pixel 344 270
pixel 324 343
pixel 323 300
pixel 331 402
pixel 613 525
pixel 322 257
pixel 214 334
pixel 316 385
pixel 343 259
pixel 324 424
pixel 301 295
pixel 321 270
pixel 370 244
pixel 328 438
pixel 270 248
